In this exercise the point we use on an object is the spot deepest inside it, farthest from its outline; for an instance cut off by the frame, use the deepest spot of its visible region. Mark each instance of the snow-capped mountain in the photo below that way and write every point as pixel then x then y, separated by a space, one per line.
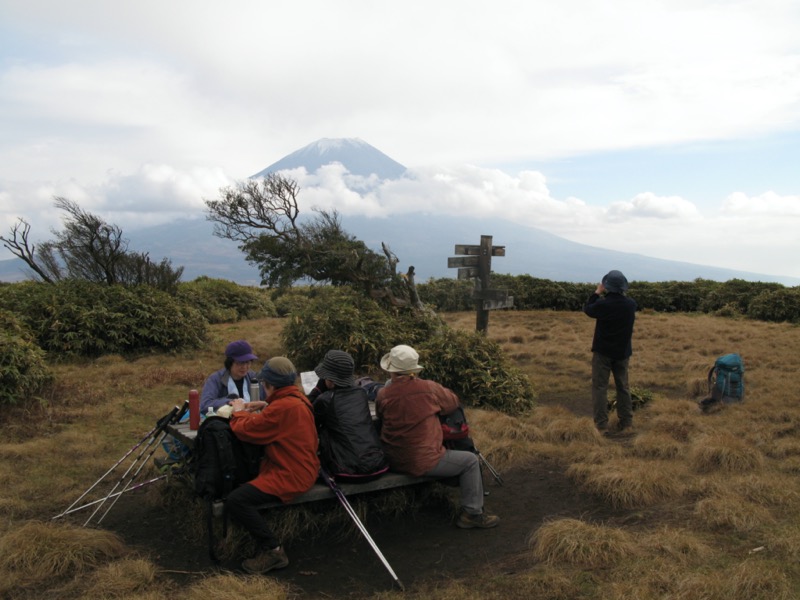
pixel 422 240
pixel 356 155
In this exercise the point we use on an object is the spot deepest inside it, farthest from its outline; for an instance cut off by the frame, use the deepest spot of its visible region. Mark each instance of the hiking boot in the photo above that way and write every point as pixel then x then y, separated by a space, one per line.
pixel 621 430
pixel 481 521
pixel 266 560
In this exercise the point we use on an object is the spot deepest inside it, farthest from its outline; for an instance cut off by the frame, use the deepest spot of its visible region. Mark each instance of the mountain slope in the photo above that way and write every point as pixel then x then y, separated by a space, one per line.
pixel 358 156
pixel 424 242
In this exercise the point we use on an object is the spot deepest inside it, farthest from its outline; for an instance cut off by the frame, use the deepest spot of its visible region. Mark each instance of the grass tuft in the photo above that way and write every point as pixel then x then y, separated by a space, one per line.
pixel 723 451
pixel 35 551
pixel 630 482
pixel 580 544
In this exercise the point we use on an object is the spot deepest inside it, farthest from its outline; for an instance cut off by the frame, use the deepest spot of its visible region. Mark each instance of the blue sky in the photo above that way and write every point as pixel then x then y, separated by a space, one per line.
pixel 670 129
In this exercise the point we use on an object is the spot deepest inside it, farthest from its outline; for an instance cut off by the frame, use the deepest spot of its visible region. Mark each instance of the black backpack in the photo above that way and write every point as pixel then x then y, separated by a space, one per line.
pixel 221 462
pixel 455 431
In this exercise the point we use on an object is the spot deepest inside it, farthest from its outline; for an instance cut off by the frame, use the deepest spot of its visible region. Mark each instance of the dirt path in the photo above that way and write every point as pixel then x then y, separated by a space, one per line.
pixel 421 547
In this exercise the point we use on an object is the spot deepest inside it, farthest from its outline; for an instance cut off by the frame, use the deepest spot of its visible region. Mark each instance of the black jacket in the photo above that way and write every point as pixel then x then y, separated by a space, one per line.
pixel 615 314
pixel 348 439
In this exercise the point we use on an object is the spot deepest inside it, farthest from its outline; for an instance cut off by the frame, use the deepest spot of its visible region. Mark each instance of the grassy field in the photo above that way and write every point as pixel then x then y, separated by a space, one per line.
pixel 711 502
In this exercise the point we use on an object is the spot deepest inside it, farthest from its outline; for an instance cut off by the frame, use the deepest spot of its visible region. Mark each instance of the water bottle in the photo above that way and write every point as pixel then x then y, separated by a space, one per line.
pixel 255 391
pixel 194 410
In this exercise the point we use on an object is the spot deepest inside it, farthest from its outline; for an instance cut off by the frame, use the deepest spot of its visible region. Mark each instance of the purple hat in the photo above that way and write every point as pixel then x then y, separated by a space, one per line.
pixel 240 351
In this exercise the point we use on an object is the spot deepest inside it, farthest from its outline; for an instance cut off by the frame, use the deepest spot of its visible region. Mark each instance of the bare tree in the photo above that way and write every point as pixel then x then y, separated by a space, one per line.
pixel 88 248
pixel 20 247
pixel 263 215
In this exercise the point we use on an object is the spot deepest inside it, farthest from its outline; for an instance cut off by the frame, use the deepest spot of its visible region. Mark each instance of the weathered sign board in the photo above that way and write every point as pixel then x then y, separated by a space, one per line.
pixel 476 262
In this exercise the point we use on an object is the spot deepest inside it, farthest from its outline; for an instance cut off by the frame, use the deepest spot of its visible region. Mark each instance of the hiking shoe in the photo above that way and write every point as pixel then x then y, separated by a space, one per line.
pixel 620 431
pixel 481 521
pixel 266 560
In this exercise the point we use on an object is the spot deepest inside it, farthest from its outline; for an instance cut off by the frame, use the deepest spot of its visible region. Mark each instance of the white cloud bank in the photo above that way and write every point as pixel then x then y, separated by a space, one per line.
pixel 749 233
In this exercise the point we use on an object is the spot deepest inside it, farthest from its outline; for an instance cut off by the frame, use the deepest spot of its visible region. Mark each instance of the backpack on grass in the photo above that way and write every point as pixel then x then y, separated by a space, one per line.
pixel 221 462
pixel 725 383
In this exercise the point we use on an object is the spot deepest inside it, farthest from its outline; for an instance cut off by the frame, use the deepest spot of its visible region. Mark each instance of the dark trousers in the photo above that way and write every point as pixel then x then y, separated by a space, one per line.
pixel 242 507
pixel 602 368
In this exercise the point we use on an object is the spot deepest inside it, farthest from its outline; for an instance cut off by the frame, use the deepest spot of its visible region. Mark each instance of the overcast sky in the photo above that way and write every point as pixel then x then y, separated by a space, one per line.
pixel 669 128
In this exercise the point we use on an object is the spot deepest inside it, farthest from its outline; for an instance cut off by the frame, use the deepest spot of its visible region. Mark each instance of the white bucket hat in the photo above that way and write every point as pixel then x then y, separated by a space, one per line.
pixel 401 359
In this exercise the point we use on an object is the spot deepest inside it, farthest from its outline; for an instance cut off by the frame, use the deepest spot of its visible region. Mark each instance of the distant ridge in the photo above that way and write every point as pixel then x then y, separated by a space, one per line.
pixel 357 156
pixel 426 242
pixel 419 239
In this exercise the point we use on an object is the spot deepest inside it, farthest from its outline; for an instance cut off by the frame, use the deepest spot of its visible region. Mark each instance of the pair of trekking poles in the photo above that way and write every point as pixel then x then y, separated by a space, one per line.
pixel 340 496
pixel 148 444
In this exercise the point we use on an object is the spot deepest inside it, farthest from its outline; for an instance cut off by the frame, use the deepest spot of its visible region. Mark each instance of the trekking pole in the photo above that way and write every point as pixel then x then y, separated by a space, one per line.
pixel 131 489
pixel 350 511
pixel 491 469
pixel 160 425
pixel 163 431
pixel 118 463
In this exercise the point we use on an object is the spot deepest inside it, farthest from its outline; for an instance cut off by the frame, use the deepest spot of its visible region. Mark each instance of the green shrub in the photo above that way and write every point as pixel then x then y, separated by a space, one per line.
pixel 23 371
pixel 447 295
pixel 291 300
pixel 476 369
pixel 81 318
pixel 343 319
pixel 779 305
pixel 222 301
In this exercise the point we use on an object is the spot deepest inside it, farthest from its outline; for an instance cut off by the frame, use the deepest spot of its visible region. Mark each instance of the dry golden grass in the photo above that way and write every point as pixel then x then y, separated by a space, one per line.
pixel 122 578
pixel 34 552
pixel 629 482
pixel 731 477
pixel 580 544
pixel 229 586
pixel 680 546
pixel 723 451
pixel 731 513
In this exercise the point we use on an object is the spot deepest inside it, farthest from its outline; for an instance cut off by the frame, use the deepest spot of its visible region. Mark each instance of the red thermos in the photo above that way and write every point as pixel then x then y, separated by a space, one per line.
pixel 194 410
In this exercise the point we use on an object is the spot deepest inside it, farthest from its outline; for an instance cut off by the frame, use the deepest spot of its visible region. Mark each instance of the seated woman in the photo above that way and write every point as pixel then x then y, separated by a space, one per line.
pixel 233 380
pixel 285 427
pixel 350 447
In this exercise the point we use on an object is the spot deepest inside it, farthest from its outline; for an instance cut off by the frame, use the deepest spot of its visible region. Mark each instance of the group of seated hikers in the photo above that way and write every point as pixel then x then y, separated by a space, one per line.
pixel 333 427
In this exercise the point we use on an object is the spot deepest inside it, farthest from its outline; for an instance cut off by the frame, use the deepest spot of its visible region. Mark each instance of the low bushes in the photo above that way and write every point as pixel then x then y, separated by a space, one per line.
pixel 23 371
pixel 222 301
pixel 81 318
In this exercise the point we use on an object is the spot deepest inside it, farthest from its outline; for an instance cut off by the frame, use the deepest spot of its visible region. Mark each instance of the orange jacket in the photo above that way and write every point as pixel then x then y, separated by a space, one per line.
pixel 287 431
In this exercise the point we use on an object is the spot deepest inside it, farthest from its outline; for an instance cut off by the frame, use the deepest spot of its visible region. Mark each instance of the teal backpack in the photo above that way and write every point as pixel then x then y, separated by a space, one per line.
pixel 725 382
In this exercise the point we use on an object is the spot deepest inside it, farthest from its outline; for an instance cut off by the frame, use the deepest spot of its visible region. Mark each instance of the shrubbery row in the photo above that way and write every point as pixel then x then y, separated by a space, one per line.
pixel 758 300
pixel 466 362
pixel 78 318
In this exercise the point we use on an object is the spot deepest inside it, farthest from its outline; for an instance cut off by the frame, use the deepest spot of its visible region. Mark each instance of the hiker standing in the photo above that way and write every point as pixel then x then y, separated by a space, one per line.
pixel 611 348
pixel 349 445
pixel 285 427
pixel 232 381
pixel 408 409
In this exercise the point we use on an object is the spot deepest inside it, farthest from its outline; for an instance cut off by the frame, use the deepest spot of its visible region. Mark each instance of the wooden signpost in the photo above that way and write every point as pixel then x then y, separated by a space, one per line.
pixel 476 262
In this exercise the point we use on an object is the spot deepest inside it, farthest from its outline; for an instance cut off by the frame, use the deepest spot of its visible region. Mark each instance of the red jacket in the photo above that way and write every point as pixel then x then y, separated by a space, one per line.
pixel 287 431
pixel 411 433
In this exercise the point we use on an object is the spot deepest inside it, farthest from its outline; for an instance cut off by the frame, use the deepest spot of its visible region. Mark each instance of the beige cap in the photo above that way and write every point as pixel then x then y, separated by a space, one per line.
pixel 401 359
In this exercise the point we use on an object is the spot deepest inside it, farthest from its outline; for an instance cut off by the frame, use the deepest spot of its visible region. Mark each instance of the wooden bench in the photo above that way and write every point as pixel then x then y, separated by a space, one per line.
pixel 320 491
